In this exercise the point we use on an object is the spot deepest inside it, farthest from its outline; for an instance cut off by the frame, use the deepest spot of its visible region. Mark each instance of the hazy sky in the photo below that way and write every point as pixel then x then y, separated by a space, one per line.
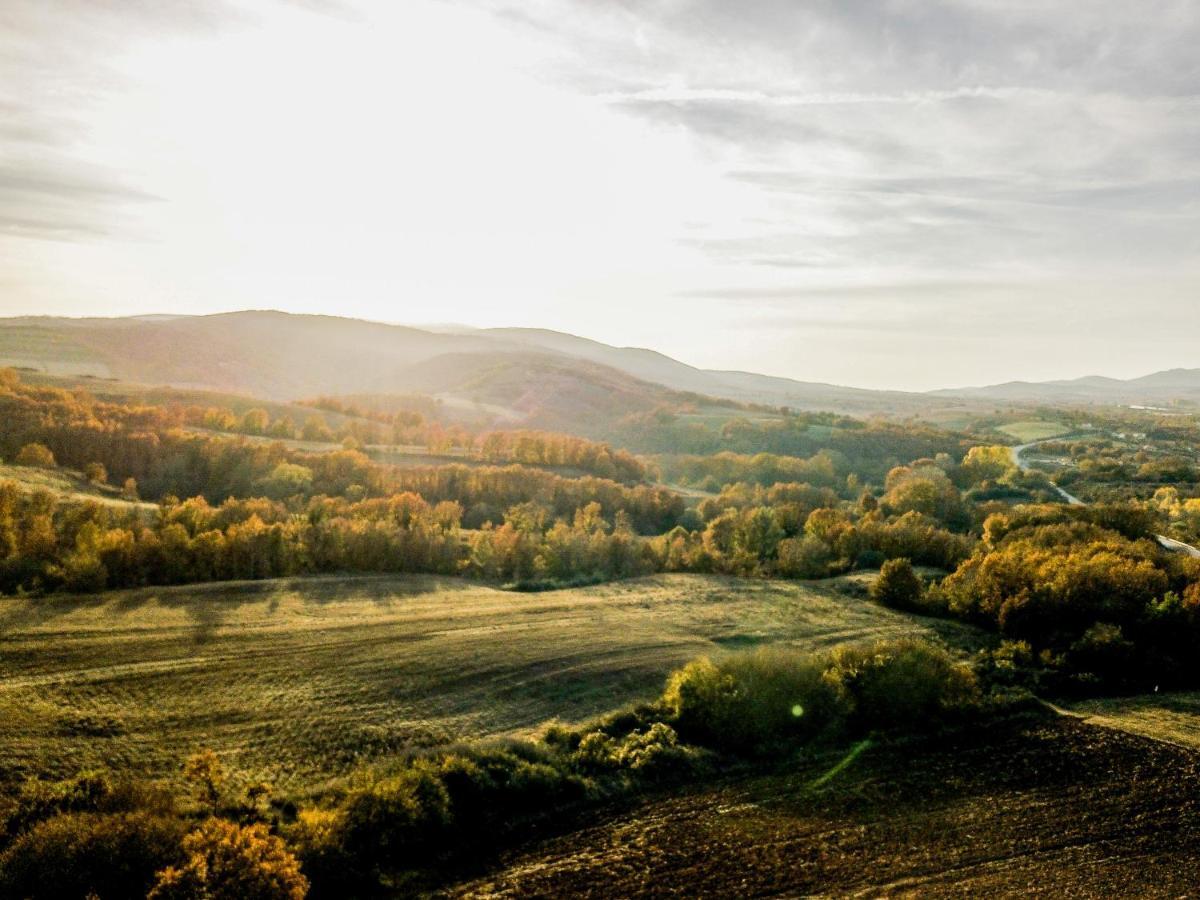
pixel 900 194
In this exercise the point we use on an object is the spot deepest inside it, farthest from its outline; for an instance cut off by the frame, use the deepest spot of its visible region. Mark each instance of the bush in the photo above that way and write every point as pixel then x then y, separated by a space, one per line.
pixel 754 703
pixel 1104 652
pixel 901 685
pixel 397 819
pixel 87 792
pixel 226 861
pixel 81 854
pixel 95 473
pixel 898 586
pixel 38 455
pixel 430 808
pixel 804 557
pixel 656 751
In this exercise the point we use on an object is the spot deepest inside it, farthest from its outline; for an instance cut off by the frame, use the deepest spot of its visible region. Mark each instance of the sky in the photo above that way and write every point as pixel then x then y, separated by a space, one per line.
pixel 908 194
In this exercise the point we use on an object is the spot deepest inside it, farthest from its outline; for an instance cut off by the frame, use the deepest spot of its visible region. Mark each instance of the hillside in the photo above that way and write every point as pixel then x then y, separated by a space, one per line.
pixel 286 357
pixel 300 679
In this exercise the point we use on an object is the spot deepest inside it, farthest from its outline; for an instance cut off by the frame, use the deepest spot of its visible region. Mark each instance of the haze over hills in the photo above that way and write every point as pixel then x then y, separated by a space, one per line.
pixel 1157 388
pixel 512 372
pixel 514 375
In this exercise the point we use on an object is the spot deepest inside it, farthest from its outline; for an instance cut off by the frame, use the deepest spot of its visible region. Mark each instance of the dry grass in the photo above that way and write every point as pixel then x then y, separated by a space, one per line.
pixel 1173 718
pixel 297 680
pixel 68 485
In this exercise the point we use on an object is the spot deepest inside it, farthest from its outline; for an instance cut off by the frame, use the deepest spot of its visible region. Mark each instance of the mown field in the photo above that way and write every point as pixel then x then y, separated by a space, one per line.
pixel 1033 430
pixel 1051 807
pixel 298 680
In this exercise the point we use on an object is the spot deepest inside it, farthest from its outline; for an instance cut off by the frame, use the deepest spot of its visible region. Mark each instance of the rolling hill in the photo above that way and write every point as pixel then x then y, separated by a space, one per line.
pixel 1158 388
pixel 525 376
pixel 515 374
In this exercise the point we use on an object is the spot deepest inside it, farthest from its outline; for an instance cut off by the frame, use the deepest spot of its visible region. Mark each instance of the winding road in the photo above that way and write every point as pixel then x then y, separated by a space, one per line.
pixel 1167 543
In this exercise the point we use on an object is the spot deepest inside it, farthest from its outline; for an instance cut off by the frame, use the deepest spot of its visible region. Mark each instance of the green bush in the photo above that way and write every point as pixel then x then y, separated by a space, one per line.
pixel 898 586
pixel 768 701
pixel 656 751
pixel 901 685
pixel 426 809
pixel 398 818
pixel 754 702
pixel 78 854
pixel 39 800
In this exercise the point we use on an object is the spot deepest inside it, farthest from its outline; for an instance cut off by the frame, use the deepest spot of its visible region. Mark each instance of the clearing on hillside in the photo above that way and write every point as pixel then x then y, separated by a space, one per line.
pixel 68 485
pixel 297 680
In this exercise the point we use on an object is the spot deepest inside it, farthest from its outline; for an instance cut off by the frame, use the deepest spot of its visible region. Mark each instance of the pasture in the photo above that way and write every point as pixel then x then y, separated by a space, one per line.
pixel 1033 430
pixel 295 681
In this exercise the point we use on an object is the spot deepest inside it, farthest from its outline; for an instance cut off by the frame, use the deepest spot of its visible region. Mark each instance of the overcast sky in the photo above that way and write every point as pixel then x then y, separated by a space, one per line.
pixel 908 194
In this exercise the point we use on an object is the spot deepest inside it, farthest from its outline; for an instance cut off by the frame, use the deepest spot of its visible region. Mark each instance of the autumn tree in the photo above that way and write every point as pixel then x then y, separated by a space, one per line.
pixel 226 861
pixel 37 455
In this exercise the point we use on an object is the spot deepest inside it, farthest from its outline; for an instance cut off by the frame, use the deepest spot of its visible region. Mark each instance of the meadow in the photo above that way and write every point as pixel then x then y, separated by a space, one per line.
pixel 1033 430
pixel 296 681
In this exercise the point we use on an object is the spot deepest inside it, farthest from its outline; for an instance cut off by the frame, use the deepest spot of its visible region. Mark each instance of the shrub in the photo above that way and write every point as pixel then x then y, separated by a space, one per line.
pixel 95 473
pixel 901 685
pixel 38 455
pixel 655 751
pixel 397 819
pixel 78 854
pixel 898 586
pixel 39 800
pixel 1104 652
pixel 226 861
pixel 204 772
pixel 804 557
pixel 753 703
pixel 430 808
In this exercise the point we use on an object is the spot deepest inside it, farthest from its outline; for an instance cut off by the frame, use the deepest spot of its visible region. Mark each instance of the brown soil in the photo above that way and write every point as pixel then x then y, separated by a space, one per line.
pixel 1055 808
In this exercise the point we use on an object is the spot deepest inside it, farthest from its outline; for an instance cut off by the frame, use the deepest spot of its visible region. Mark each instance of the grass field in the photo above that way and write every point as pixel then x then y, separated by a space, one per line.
pixel 1033 430
pixel 294 681
pixel 1173 718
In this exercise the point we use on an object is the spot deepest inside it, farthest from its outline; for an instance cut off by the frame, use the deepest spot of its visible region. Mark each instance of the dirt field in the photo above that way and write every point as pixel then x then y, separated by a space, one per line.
pixel 1056 808
pixel 294 681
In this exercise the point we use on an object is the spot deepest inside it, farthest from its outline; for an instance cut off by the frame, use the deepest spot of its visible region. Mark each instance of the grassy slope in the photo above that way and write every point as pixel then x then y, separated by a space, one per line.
pixel 1036 808
pixel 1173 718
pixel 67 484
pixel 297 680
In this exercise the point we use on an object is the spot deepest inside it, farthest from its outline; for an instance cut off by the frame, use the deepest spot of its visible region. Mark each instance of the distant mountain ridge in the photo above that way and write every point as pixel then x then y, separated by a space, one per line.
pixel 285 356
pixel 517 375
pixel 1164 387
